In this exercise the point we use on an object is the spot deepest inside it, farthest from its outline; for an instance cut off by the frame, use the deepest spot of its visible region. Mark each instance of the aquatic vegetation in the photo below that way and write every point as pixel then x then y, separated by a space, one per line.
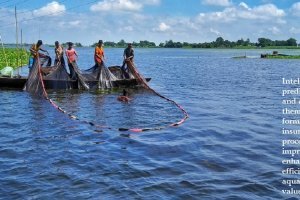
pixel 283 56
pixel 13 57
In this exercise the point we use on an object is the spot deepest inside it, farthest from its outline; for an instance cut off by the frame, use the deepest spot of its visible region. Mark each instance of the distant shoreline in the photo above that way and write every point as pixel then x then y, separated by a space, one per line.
pixel 13 46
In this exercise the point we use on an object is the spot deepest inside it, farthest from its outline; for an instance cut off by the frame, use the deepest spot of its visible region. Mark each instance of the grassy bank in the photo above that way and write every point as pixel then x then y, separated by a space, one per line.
pixel 13 57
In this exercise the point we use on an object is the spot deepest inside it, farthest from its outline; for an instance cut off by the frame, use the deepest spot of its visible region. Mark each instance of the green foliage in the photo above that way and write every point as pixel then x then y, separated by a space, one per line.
pixel 218 43
pixel 13 57
pixel 283 56
pixel 265 42
pixel 123 44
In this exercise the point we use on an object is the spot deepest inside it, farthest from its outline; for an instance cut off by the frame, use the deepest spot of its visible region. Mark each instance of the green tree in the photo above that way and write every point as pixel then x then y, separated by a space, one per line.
pixel 219 42
pixel 264 42
pixel 110 44
pixel 291 42
pixel 161 44
pixel 169 44
pixel 121 43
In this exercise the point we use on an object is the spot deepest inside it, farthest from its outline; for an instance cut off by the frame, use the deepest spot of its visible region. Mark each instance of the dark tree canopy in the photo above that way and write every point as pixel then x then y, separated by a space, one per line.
pixel 218 43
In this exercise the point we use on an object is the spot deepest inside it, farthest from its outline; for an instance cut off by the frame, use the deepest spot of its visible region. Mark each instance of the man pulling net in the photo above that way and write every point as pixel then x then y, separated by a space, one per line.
pixel 99 72
pixel 59 77
pixel 34 83
pixel 75 73
pixel 35 51
pixel 128 56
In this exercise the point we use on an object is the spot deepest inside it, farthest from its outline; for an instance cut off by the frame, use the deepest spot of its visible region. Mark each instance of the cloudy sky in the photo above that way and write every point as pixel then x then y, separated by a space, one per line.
pixel 153 20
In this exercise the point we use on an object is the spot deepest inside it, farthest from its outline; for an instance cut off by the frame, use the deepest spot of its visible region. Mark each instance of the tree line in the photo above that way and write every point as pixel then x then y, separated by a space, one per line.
pixel 218 43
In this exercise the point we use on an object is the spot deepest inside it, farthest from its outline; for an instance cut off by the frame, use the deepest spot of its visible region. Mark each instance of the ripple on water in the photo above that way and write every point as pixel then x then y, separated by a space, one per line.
pixel 225 150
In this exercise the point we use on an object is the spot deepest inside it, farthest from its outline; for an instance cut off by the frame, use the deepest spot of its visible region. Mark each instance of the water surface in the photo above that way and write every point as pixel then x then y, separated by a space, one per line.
pixel 228 149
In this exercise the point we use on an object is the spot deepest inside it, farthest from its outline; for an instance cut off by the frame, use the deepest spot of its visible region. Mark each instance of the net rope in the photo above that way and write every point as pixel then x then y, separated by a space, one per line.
pixel 142 81
pixel 35 85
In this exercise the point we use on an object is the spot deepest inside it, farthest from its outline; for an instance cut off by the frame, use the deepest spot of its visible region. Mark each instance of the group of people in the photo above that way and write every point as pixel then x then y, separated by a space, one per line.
pixel 71 54
pixel 99 72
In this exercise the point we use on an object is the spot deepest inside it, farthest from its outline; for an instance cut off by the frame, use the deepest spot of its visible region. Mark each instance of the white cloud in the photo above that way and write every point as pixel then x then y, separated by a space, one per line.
pixel 217 2
pixel 243 11
pixel 116 5
pixel 163 27
pixel 244 6
pixel 295 9
pixel 228 15
pixel 51 9
pixel 233 22
pixel 267 10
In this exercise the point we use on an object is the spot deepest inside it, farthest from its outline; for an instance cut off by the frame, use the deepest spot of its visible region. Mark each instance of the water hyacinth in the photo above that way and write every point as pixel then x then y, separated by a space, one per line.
pixel 13 57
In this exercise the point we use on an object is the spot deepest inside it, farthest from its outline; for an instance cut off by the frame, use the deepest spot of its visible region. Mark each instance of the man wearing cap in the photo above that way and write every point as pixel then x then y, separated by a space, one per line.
pixel 99 53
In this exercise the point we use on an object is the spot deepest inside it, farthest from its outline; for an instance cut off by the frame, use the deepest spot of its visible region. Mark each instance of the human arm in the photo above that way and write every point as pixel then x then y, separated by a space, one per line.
pixel 67 55
pixel 76 54
pixel 124 54
pixel 99 54
pixel 131 54
pixel 43 50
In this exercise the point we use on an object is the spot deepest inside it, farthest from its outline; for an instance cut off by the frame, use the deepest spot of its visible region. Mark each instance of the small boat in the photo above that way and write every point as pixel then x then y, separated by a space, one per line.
pixel 18 82
pixel 277 55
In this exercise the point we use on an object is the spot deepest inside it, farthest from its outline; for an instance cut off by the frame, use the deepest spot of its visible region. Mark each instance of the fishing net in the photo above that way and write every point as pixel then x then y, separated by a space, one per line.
pixel 45 60
pixel 34 83
pixel 134 73
pixel 42 76
pixel 142 81
pixel 59 77
pixel 77 75
pixel 101 76
pixel 126 70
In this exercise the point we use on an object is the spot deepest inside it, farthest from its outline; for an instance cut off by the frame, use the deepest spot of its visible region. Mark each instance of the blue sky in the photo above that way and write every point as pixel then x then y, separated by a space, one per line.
pixel 154 20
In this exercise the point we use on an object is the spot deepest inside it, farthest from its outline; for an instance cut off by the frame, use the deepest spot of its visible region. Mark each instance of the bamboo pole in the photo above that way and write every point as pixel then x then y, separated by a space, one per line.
pixel 17 41
pixel 16 27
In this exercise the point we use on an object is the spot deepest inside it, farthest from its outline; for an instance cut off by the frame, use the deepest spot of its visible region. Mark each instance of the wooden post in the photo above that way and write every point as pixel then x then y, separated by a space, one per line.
pixel 16 27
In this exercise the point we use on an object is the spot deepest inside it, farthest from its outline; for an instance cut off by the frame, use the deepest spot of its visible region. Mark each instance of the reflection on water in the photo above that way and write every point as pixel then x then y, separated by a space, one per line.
pixel 226 150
